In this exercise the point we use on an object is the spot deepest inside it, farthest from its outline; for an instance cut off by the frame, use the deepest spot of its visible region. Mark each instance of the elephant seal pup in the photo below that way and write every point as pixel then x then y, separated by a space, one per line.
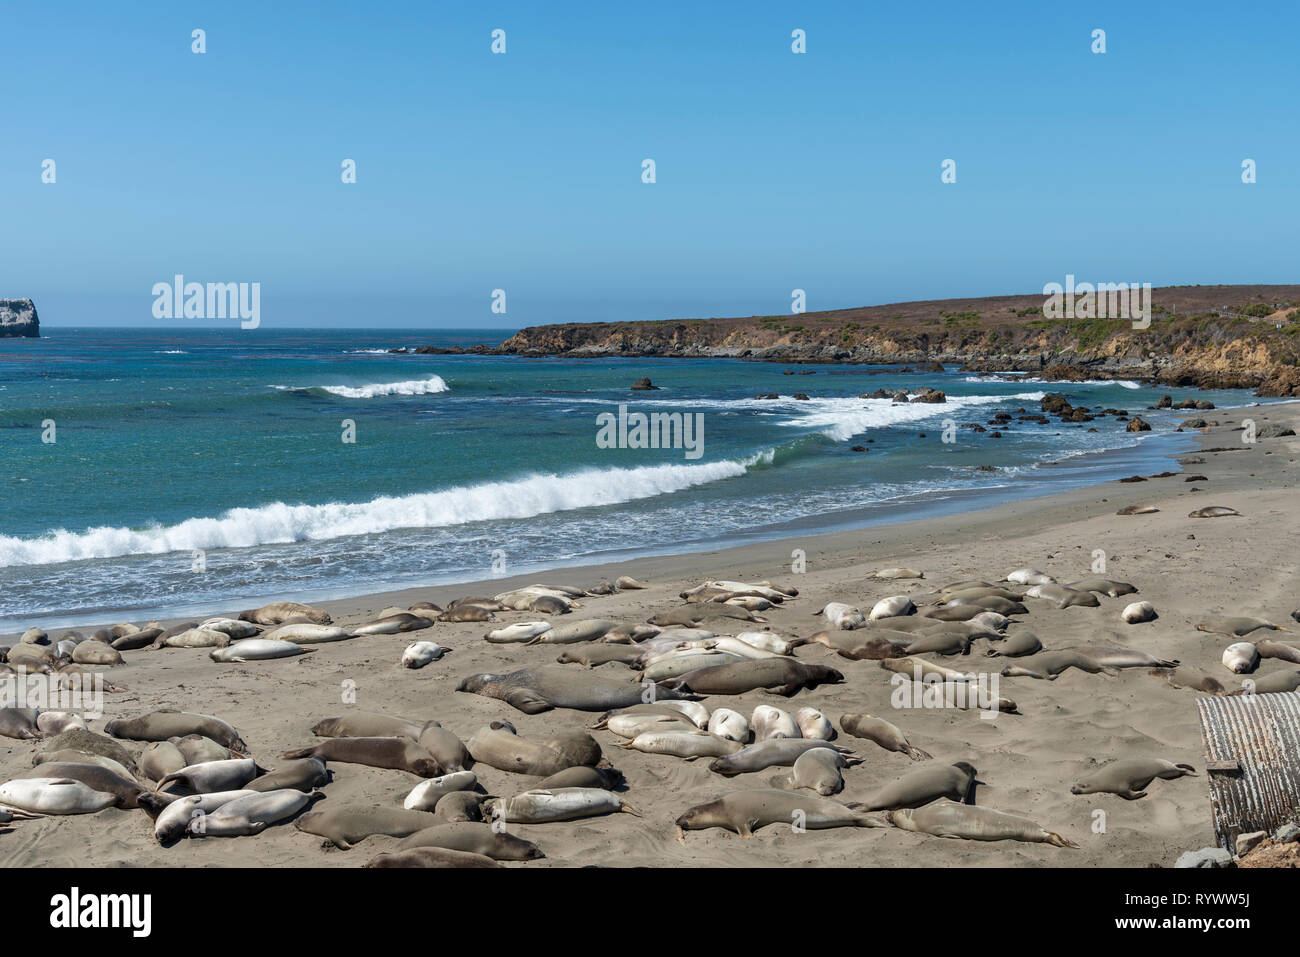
pixel 520 631
pixel 534 690
pixel 430 857
pixel 165 723
pixel 69 756
pixel 1138 613
pixel 233 627
pixel 690 711
pixel 368 724
pixel 683 744
pixel 993 603
pixel 607 779
pixel 572 632
pixel 460 806
pixel 1027 576
pixel 768 723
pixel 399 754
pixel 939 643
pixel 194 638
pixel 251 814
pixel 729 724
pixel 394 624
pixel 542 806
pixel 744 812
pixel 633 724
pixel 91 742
pixel 1065 596
pixel 502 748
pixel 447 749
pixel 19 723
pixel 174 820
pixel 467 613
pixel 277 612
pixel 420 653
pixel 137 639
pixel 1018 645
pixel 500 845
pixel 307 774
pixel 887 735
pixel 1109 656
pixel 1129 778
pixel 782 676
pixel 1266 649
pixel 916 788
pixel 231 774
pixel 777 752
pixel 843 617
pixel 1105 586
pixel 814 724
pixel 129 794
pixel 1197 680
pixel 425 795
pixel 1213 511
pixel 1277 682
pixel 1137 510
pixel 307 633
pixel 160 759
pixel 54 796
pixel 196 749
pixel 593 656
pixel 1241 657
pixel 344 826
pixel 97 653
pixel 896 606
pixel 946 819
pixel 817 770
pixel 1235 627
pixel 258 649
pixel 1049 664
pixel 892 573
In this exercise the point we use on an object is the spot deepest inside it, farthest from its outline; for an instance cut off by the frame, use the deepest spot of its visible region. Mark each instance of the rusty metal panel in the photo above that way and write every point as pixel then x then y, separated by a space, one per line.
pixel 1252 755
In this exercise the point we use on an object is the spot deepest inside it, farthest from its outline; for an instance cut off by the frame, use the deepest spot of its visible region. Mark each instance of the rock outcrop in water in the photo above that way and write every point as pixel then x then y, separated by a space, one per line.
pixel 1213 337
pixel 18 318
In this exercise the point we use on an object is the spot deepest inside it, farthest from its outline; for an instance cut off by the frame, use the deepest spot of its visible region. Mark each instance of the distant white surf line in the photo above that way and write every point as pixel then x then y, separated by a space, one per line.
pixel 279 523
pixel 412 387
pixel 842 419
pixel 1024 377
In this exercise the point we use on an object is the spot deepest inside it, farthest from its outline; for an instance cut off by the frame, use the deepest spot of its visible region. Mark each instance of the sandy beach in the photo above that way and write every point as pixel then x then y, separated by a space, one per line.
pixel 1186 567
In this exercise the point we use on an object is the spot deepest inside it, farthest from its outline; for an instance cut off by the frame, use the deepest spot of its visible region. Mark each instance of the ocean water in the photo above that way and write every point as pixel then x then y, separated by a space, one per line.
pixel 201 470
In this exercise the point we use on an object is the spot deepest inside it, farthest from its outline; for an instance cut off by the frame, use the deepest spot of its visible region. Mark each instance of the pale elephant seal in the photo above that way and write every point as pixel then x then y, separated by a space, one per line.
pixel 165 723
pixel 1138 612
pixel 19 723
pixel 1050 664
pixel 1065 596
pixel 368 724
pixel 420 653
pixel 1104 586
pixel 197 749
pixel 233 627
pixel 447 749
pixel 1129 778
pixel 744 812
pixel 817 770
pixel 631 724
pixel 1137 510
pixel 307 774
pixel 1266 649
pixel 193 638
pixel 258 649
pixel 842 616
pixel 1213 511
pixel 893 607
pixel 1241 657
pixel 887 735
pixel 781 676
pixel 399 754
pixel 919 787
pixel 892 573
pixel 541 806
pixel 55 796
pixel 729 724
pixel 344 826
pixel 778 752
pixel 56 722
pixel 814 724
pixel 308 633
pixel 172 822
pixel 994 603
pixel 572 632
pixel 425 795
pixel 277 612
pixel 768 723
pixel 502 748
pixel 689 744
pixel 35 636
pixel 1235 627
pixel 129 794
pixel 430 857
pixel 97 653
pixel 626 582
pixel 534 690
pixel 232 774
pixel 500 845
pixel 1030 576
pixel 1017 645
pixel 1111 657
pixel 1277 682
pixel 946 819
pixel 520 631
pixel 251 814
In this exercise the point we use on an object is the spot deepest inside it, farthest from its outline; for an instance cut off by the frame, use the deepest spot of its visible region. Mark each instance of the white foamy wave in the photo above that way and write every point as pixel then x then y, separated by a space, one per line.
pixel 365 352
pixel 841 419
pixel 279 523
pixel 1023 377
pixel 413 387
pixel 171 352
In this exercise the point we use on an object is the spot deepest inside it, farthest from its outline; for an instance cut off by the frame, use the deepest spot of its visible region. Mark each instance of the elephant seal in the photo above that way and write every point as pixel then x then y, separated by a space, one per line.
pixel 502 748
pixel 1277 682
pixel 814 724
pixel 520 631
pixel 258 649
pixel 1138 613
pixel 233 627
pixel 231 774
pixel 939 643
pixel 534 690
pixel 1137 510
pixel 55 796
pixel 473 838
pixel 196 749
pixel 173 821
pixel 447 749
pixel 782 676
pixel 19 723
pixel 947 819
pixel 729 724
pixel 193 638
pixel 1105 586
pixel 953 612
pixel 1065 596
pixel 425 795
pixel 572 632
pixel 307 633
pixel 916 788
pixel 91 742
pixel 69 756
pixel 344 826
pixel 1266 649
pixel 1129 778
pixel 688 744
pixel 398 754
pixel 129 794
pixel 817 769
pixel 993 603
pixel 251 814
pixel 461 806
pixel 165 723
pixel 606 778
pixel 56 722
pixel 160 759
pixel 887 735
pixel 467 613
pixel 593 656
pixel 430 857
pixel 1112 657
pixel 896 606
pixel 368 724
pixel 1021 576
pixel 768 723
pixel 1018 645
pixel 892 573
pixel 420 653
pixel 307 774
pixel 1185 677
pixel 776 752
pixel 394 624
pixel 843 617
pixel 1213 511
pixel 277 612
pixel 1235 627
pixel 1050 664
pixel 1241 657
pixel 137 639
pixel 744 812
pixel 541 806
pixel 97 653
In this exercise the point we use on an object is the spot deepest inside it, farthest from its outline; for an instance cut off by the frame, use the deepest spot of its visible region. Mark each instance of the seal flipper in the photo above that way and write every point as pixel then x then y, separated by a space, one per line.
pixel 528 701
pixel 1057 841
pixel 1132 795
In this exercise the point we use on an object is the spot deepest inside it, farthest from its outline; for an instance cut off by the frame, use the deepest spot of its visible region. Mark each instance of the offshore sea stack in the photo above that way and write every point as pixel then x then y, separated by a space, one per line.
pixel 18 318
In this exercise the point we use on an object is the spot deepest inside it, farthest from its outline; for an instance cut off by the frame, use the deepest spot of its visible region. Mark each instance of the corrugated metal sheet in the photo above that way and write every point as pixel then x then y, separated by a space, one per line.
pixel 1252 753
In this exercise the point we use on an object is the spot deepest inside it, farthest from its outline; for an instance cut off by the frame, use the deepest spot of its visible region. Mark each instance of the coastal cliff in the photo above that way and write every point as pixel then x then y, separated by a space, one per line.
pixel 1217 337
pixel 18 318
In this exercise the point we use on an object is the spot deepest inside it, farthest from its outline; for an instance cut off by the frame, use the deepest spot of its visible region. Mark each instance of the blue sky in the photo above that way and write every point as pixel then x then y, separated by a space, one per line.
pixel 522 171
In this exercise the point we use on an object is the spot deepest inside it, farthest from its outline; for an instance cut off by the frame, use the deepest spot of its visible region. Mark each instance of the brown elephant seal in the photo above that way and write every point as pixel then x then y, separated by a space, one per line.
pixel 97 653
pixel 744 812
pixel 129 794
pixel 344 826
pixel 193 638
pixel 137 639
pixel 19 723
pixel 196 749
pixel 940 643
pixel 1137 510
pixel 782 676
pixel 473 838
pixel 1105 586
pixel 572 632
pixel 398 754
pixel 430 857
pixel 583 777
pixel 996 603
pixel 1016 645
pixel 368 724
pixel 467 613
pixel 1130 777
pixel 593 656
pixel 277 613
pixel 817 769
pixel 1186 677
pixel 692 615
pixel 1275 683
pixel 1050 664
pixel 919 787
pixel 502 748
pixel 394 624
pixel 1235 626
pixel 887 735
pixel 69 756
pixel 774 752
pixel 1109 656
pixel 165 723
pixel 306 774
pixel 1213 511
pixel 1279 650
pixel 160 759
pixel 460 806
pixel 946 819
pixel 92 742
pixel 534 690
pixel 447 749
